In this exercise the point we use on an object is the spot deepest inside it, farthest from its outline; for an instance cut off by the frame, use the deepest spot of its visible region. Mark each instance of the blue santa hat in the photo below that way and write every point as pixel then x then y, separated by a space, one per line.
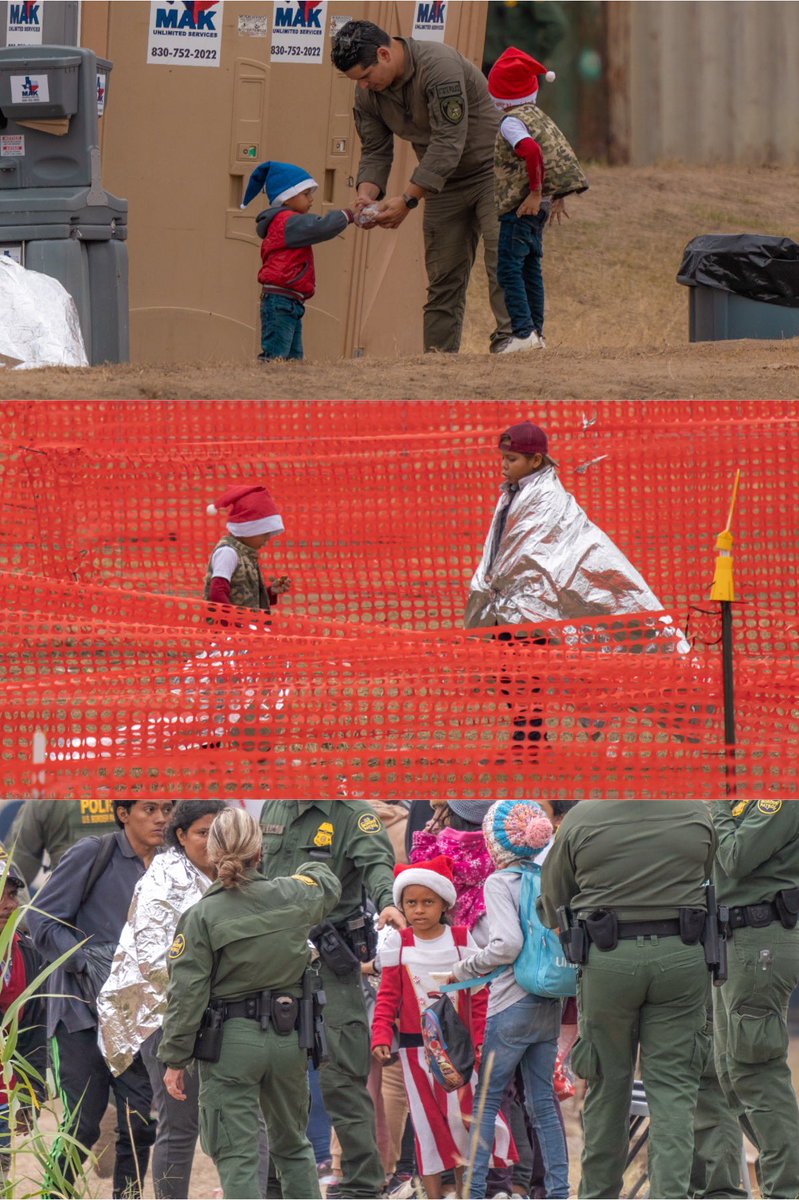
pixel 279 180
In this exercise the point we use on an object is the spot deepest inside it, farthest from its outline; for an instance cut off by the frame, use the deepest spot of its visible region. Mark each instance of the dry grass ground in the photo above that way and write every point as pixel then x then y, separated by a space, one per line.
pixel 617 323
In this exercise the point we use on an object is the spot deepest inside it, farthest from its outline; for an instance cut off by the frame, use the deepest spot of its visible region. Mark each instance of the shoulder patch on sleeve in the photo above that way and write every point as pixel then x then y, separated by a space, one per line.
pixel 306 879
pixel 177 947
pixel 448 89
pixel 368 823
pixel 769 807
pixel 453 109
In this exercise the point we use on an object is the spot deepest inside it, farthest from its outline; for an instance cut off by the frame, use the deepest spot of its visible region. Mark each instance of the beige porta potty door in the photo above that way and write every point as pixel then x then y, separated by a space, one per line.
pixel 180 137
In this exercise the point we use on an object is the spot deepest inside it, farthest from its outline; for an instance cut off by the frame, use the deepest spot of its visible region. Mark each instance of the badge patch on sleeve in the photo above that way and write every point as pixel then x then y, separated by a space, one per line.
pixel 177 947
pixel 453 109
pixel 306 879
pixel 768 807
pixel 369 824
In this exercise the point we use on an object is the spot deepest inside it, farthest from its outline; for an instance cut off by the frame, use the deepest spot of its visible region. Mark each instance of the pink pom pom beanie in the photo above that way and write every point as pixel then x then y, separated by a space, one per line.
pixel 515 829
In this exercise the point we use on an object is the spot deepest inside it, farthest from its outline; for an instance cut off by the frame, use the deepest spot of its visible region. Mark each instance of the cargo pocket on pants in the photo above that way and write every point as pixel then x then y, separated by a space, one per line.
pixel 585 1060
pixel 757 1035
pixel 214 1135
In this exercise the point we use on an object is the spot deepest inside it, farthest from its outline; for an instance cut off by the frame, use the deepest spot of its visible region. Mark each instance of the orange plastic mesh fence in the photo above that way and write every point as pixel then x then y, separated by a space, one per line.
pixel 117 679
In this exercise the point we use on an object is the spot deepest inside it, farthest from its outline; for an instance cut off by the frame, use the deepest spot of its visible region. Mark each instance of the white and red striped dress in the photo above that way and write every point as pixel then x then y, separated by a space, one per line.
pixel 441 1120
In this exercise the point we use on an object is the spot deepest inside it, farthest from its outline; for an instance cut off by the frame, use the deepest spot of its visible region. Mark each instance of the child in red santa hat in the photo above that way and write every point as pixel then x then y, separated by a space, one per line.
pixel 234 573
pixel 535 168
pixel 410 960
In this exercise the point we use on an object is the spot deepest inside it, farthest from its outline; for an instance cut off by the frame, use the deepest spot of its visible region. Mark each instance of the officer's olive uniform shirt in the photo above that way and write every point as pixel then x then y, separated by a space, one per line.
pixel 345 834
pixel 758 852
pixel 238 941
pixel 52 826
pixel 644 859
pixel 442 106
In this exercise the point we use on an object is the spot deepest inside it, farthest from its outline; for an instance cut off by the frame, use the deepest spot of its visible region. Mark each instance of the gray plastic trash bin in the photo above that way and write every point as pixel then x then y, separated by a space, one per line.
pixel 742 285
pixel 55 216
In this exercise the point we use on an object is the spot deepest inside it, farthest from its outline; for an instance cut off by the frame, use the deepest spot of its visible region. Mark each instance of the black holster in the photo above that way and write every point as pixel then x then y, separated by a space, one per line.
pixel 573 939
pixel 313 1035
pixel 787 902
pixel 208 1044
pixel 714 937
pixel 692 925
pixel 334 950
pixel 285 1011
pixel 359 934
pixel 602 927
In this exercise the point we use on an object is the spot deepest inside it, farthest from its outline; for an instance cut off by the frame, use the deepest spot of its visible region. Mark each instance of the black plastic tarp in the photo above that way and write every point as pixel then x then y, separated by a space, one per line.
pixel 754 265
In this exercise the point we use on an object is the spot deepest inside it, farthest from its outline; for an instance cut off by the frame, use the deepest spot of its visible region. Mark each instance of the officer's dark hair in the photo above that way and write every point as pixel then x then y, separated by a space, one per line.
pixel 356 45
pixel 128 804
pixel 185 813
pixel 561 807
pixel 234 845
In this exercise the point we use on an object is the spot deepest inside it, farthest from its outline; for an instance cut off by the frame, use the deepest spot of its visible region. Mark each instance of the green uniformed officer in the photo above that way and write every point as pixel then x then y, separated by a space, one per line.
pixel 431 96
pixel 240 956
pixel 757 875
pixel 51 826
pixel 626 869
pixel 347 836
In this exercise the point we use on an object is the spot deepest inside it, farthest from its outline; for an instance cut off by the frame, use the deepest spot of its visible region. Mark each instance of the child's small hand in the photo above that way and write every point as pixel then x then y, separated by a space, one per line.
pixel 281 584
pixel 530 206
pixel 558 210
pixel 382 1054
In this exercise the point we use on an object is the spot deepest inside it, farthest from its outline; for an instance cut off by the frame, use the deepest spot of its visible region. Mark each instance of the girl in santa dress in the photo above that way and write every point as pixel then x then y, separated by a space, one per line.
pixel 430 947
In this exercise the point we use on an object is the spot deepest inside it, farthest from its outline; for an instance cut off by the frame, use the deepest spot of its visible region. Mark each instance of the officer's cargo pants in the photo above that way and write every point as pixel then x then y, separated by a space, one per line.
pixel 651 993
pixel 751 1047
pixel 454 221
pixel 258 1069
pixel 344 1086
pixel 718 1142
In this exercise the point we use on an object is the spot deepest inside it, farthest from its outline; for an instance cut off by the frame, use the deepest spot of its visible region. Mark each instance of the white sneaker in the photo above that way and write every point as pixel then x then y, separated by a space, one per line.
pixel 542 342
pixel 513 344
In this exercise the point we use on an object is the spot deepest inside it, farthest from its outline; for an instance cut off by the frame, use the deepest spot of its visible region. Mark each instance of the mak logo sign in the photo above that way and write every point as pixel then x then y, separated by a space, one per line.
pixel 195 15
pixel 430 21
pixel 305 15
pixel 30 89
pixel 24 24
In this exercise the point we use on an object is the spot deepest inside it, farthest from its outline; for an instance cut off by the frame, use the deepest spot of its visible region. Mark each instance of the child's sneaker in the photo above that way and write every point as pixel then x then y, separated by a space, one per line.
pixel 542 341
pixel 514 344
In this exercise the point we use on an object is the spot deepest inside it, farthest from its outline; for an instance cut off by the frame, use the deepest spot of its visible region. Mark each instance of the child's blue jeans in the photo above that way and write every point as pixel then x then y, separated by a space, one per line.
pixel 526 1035
pixel 519 274
pixel 281 326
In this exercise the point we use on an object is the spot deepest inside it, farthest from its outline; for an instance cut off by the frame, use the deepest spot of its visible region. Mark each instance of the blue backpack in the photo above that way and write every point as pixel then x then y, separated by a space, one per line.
pixel 542 967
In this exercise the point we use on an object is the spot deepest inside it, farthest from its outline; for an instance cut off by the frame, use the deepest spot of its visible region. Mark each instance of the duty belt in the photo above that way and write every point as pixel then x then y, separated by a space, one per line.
pixel 635 929
pixel 257 1007
pixel 757 916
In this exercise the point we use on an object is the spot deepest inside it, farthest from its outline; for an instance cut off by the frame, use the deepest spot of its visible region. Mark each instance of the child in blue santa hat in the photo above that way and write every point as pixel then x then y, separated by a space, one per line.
pixel 287 272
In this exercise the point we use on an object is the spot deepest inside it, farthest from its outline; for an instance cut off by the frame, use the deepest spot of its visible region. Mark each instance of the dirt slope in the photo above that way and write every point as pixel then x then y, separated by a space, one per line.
pixel 617 323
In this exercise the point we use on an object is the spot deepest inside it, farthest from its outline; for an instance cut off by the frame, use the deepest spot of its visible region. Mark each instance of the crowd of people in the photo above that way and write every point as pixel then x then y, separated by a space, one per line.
pixel 264 980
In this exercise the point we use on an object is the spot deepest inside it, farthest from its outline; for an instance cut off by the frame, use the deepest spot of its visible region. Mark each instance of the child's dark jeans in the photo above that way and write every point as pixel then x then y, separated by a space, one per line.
pixel 281 326
pixel 519 274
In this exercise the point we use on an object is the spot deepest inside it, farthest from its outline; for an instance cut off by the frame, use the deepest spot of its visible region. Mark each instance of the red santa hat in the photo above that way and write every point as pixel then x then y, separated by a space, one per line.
pixel 513 79
pixel 252 510
pixel 435 873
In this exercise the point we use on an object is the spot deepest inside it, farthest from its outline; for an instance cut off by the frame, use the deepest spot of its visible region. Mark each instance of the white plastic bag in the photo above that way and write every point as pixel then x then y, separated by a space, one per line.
pixel 39 324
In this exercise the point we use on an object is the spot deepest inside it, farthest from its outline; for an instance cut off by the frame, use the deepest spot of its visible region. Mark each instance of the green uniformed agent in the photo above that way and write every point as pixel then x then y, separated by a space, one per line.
pixel 757 875
pixel 431 96
pixel 50 827
pixel 243 949
pixel 625 869
pixel 350 838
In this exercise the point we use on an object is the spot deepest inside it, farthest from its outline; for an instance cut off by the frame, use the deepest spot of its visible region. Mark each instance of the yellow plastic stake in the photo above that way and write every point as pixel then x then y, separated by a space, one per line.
pixel 723 583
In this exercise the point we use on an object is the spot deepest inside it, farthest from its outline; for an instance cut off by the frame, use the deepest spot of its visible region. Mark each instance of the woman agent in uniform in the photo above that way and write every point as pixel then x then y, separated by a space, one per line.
pixel 243 951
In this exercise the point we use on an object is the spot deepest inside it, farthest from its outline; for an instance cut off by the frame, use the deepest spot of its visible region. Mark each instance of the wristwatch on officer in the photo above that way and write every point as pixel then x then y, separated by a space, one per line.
pixel 410 201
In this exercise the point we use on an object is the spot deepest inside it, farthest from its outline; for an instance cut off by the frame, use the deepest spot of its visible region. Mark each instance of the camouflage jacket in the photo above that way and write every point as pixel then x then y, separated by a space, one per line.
pixel 247 587
pixel 563 175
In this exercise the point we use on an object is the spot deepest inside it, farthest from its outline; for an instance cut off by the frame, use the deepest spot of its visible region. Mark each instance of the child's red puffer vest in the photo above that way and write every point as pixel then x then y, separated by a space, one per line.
pixel 283 266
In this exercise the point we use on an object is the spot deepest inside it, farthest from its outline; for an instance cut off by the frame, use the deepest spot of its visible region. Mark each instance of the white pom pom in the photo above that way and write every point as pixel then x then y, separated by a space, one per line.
pixel 550 77
pixel 212 510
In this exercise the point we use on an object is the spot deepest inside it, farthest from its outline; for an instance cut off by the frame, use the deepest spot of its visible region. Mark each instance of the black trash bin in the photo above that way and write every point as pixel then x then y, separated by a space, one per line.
pixel 743 285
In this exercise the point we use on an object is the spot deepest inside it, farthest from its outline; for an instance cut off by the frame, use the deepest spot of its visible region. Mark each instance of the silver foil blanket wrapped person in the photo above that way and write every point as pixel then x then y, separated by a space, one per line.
pixel 552 563
pixel 132 1003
